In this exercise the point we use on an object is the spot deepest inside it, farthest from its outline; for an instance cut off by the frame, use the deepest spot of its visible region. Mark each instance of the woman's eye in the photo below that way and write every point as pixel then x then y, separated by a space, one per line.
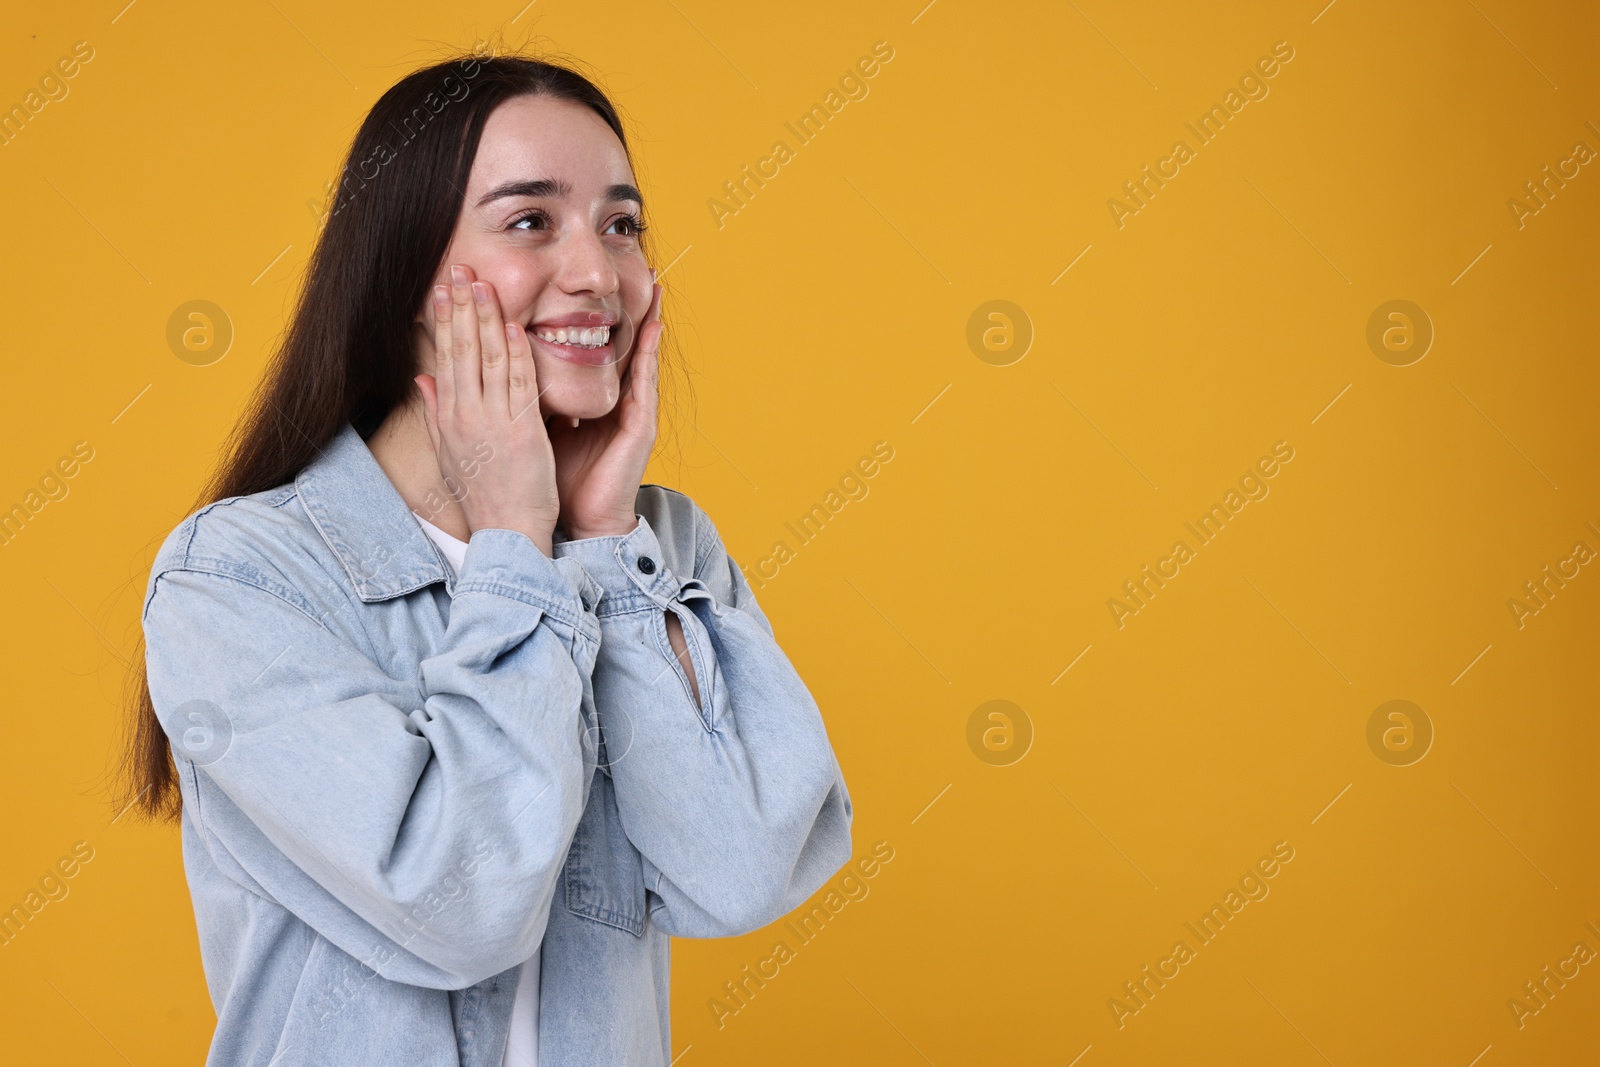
pixel 630 227
pixel 535 221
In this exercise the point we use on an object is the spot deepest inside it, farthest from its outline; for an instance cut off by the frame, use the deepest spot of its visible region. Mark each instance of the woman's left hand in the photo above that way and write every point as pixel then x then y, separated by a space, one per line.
pixel 601 463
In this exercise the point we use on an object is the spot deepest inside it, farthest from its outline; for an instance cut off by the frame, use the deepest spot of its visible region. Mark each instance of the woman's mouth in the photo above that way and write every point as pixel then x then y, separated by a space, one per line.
pixel 589 345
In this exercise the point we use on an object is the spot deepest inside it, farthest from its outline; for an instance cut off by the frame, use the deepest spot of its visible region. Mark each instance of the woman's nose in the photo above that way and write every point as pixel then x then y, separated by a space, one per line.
pixel 584 265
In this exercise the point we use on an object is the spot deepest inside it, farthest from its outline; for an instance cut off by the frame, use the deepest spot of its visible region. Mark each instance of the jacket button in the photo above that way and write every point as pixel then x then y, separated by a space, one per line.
pixel 647 564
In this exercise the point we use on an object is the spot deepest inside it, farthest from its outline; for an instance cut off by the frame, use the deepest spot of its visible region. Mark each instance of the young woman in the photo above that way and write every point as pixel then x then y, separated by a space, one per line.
pixel 462 721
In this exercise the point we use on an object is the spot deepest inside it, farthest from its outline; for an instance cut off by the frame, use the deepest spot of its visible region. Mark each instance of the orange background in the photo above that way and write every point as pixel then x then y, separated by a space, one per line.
pixel 832 312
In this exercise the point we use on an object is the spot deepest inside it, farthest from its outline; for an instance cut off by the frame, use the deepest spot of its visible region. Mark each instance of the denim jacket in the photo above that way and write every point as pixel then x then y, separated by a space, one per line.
pixel 398 783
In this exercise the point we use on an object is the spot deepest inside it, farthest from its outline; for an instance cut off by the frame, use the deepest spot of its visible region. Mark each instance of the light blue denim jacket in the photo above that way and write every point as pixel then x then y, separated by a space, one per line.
pixel 398 784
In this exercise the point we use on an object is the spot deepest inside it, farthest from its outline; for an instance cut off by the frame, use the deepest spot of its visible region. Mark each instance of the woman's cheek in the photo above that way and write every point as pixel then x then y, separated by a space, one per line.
pixel 518 282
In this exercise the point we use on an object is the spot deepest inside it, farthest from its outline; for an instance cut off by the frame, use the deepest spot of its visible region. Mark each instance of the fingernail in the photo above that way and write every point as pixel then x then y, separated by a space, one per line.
pixel 458 275
pixel 480 292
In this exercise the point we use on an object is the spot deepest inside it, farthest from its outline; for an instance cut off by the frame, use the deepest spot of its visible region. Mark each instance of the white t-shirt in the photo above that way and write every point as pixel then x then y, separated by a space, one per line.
pixel 522 1050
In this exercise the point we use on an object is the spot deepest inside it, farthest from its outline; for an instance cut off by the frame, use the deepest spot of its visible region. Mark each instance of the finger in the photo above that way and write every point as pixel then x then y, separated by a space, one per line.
pixel 522 377
pixel 443 366
pixel 656 295
pixel 464 341
pixel 652 314
pixel 650 349
pixel 645 384
pixel 492 345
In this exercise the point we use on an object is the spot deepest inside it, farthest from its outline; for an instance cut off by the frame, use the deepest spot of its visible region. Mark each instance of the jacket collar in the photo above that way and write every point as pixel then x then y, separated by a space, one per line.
pixel 367 524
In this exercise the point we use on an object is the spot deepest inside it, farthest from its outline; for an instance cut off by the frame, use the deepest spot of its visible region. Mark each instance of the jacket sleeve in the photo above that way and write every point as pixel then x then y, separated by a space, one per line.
pixel 418 823
pixel 736 804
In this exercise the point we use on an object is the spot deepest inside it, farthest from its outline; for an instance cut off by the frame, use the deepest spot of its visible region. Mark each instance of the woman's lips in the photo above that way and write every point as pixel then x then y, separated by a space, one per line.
pixel 586 337
pixel 590 357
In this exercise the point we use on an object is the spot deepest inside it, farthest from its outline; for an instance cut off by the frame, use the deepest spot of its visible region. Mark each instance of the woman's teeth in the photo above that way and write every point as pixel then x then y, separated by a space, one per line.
pixel 579 337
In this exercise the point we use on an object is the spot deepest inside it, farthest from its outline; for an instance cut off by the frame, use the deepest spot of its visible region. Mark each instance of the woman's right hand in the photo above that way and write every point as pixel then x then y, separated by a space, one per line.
pixel 482 405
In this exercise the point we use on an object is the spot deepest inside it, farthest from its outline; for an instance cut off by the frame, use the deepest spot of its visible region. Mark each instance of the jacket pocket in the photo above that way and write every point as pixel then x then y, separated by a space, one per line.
pixel 604 875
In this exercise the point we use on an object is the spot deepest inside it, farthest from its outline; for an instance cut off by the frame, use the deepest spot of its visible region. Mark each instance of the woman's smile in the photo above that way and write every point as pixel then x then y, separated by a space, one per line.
pixel 582 337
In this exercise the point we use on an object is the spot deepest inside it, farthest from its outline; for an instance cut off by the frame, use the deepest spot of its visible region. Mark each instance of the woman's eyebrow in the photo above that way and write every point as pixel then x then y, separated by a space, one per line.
pixel 554 187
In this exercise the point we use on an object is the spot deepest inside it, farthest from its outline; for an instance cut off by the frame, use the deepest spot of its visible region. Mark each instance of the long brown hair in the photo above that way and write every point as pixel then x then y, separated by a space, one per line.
pixel 347 354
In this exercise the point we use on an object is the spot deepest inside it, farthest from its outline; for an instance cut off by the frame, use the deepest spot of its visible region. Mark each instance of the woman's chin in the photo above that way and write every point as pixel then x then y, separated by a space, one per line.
pixel 587 400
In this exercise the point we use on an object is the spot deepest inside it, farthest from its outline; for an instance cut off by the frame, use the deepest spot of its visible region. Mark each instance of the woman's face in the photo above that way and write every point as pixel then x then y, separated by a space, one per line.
pixel 550 221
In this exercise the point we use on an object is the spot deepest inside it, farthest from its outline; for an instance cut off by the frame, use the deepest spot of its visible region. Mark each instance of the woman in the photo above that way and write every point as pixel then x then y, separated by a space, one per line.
pixel 464 721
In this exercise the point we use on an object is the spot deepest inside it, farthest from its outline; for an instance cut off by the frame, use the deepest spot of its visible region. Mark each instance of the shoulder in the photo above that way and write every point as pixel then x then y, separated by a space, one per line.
pixel 265 540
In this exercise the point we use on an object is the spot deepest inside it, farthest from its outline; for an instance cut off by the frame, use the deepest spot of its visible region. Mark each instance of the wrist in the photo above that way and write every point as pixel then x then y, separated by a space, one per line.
pixel 615 528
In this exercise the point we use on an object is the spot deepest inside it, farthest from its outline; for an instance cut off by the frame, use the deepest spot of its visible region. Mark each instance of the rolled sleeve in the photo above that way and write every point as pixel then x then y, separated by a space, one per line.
pixel 629 569
pixel 507 563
